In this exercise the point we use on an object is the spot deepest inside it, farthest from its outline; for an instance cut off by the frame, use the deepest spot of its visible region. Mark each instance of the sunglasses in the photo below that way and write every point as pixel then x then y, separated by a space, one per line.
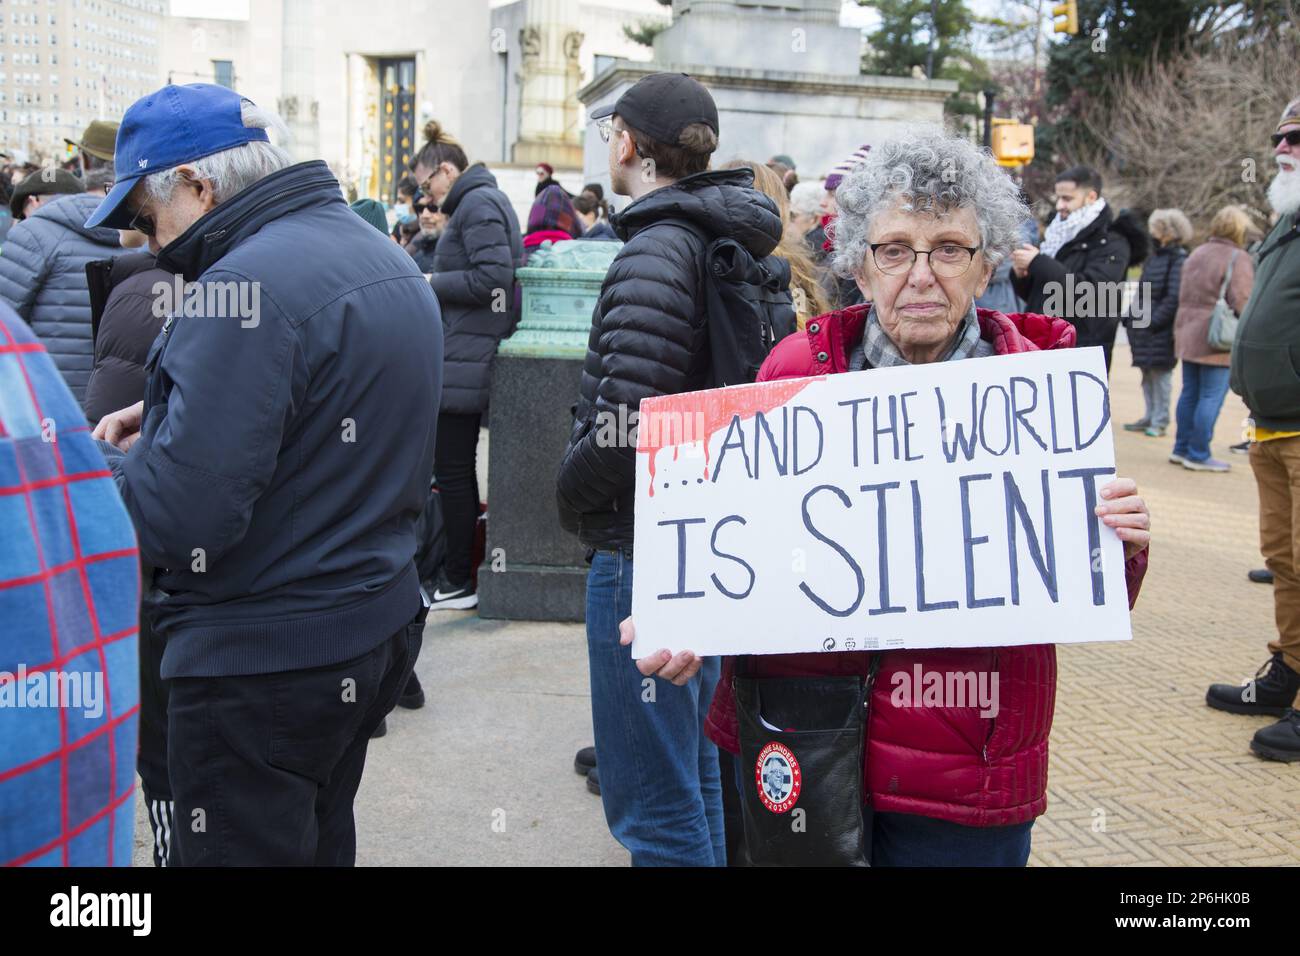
pixel 1292 138
pixel 143 224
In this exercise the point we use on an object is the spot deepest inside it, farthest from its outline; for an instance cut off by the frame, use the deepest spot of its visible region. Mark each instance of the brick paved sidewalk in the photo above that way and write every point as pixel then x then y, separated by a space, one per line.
pixel 1142 772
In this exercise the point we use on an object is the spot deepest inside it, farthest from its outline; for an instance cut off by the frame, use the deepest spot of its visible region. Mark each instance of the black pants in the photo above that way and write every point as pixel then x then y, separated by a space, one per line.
pixel 454 468
pixel 264 767
pixel 151 759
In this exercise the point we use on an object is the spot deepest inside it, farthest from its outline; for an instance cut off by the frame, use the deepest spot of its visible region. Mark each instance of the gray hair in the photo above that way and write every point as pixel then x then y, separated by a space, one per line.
pixel 806 199
pixel 1165 224
pixel 926 170
pixel 232 170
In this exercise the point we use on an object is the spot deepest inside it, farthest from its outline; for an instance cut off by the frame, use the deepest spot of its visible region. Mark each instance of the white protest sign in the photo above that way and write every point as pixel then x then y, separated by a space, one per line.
pixel 945 505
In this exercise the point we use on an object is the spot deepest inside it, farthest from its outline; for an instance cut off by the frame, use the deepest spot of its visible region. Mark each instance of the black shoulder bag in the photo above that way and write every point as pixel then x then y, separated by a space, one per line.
pixel 801 753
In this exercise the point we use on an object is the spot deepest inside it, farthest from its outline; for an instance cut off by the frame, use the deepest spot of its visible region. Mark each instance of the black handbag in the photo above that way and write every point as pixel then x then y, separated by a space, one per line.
pixel 801 751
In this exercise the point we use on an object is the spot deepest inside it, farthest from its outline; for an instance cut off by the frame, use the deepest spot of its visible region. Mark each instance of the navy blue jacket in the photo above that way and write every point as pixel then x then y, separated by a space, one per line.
pixel 286 449
pixel 1152 339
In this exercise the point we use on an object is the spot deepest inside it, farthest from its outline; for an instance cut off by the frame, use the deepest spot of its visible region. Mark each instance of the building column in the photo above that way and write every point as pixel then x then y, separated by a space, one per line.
pixel 550 127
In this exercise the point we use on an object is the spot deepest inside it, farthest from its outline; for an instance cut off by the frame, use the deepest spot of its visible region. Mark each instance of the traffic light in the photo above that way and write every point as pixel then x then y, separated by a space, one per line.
pixel 1070 11
pixel 1012 142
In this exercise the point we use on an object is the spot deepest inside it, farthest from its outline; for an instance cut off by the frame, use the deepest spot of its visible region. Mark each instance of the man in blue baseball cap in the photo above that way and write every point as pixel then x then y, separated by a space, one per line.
pixel 273 472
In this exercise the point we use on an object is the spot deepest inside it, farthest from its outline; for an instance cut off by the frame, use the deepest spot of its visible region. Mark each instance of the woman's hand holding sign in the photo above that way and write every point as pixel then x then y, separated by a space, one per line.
pixel 1125 511
pixel 678 668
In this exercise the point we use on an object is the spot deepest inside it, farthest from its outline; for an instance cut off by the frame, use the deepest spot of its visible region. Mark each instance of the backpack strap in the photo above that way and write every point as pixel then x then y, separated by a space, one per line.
pixel 701 261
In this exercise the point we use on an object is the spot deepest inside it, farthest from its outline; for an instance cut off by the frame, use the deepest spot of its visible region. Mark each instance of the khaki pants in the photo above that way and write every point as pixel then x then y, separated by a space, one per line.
pixel 1277 473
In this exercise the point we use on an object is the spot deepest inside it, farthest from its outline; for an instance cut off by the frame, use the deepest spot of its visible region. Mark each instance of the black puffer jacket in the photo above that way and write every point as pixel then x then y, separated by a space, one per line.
pixel 649 336
pixel 1102 252
pixel 125 323
pixel 1152 337
pixel 423 248
pixel 473 277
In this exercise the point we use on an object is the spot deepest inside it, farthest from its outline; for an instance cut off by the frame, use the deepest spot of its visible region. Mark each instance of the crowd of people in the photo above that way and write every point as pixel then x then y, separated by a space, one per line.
pixel 226 525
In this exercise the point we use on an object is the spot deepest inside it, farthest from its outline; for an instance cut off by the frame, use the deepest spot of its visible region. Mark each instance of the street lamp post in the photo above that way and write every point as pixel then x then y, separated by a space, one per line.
pixel 990 92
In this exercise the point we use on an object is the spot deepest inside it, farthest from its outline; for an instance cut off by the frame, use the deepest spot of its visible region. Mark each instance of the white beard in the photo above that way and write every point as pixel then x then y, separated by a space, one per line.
pixel 1284 191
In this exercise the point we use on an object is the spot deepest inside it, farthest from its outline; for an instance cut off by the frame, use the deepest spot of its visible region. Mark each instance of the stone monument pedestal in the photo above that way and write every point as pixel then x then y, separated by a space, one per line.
pixel 533 569
pixel 786 78
pixel 817 119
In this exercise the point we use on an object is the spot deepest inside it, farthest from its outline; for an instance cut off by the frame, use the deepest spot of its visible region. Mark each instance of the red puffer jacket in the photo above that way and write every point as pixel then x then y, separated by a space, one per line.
pixel 948 763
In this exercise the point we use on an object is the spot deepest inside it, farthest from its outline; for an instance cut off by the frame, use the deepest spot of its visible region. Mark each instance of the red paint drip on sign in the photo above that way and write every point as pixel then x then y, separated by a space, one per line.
pixel 674 420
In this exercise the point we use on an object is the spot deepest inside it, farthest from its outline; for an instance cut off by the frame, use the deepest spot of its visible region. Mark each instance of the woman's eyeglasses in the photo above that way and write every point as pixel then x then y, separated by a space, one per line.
pixel 1292 138
pixel 947 259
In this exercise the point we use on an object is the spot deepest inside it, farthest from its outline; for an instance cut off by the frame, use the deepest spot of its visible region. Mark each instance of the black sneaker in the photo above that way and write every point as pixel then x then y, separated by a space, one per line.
pixel 1260 575
pixel 1241 448
pixel 1271 693
pixel 584 761
pixel 452 597
pixel 380 730
pixel 593 780
pixel 1280 741
pixel 412 695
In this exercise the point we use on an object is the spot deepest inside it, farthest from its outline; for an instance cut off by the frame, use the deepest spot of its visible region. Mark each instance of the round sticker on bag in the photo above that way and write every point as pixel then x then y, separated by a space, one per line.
pixel 778 777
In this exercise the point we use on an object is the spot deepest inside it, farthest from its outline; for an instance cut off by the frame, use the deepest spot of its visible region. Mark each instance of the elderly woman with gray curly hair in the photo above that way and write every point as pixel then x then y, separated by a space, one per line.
pixel 923 224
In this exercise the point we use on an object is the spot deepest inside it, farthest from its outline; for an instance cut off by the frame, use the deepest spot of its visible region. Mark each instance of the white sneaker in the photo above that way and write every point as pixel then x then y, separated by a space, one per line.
pixel 447 598
pixel 1210 464
pixel 1176 459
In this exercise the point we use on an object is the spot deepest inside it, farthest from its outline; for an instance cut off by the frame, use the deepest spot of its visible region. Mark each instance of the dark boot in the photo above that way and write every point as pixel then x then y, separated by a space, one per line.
pixel 1281 741
pixel 1271 693
pixel 593 780
pixel 381 730
pixel 584 761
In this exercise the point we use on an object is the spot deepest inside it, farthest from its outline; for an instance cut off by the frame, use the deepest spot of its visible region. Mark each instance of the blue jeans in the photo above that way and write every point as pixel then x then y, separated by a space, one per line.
pixel 658 772
pixel 908 839
pixel 1204 387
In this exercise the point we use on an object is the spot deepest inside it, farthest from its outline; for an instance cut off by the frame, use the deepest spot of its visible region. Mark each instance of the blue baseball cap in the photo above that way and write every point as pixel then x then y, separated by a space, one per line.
pixel 174 125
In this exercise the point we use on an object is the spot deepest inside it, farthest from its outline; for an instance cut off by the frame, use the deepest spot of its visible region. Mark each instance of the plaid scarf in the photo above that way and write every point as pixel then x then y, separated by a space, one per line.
pixel 876 350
